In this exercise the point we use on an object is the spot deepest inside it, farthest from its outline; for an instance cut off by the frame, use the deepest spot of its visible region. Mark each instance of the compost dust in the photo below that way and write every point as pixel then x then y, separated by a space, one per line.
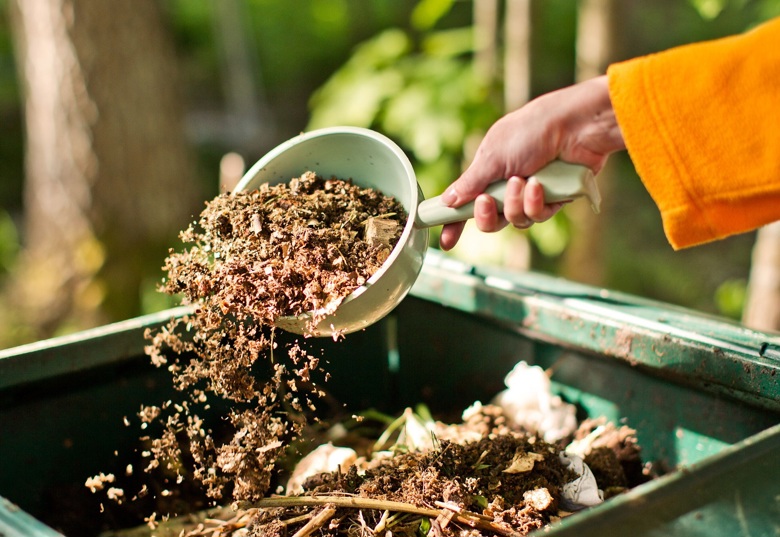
pixel 285 250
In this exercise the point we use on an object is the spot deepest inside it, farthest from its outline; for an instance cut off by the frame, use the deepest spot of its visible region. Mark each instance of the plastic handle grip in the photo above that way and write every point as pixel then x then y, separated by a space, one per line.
pixel 561 182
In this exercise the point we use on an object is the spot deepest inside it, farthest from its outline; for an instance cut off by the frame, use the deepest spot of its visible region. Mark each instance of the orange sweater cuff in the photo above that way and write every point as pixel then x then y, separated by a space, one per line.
pixel 701 125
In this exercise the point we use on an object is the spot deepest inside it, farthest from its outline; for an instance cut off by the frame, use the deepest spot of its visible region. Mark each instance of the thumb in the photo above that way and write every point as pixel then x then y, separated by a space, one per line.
pixel 469 185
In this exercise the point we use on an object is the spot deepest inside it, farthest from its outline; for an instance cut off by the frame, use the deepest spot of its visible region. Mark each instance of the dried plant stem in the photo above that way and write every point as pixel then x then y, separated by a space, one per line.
pixel 382 523
pixel 475 520
pixel 295 520
pixel 346 501
pixel 316 522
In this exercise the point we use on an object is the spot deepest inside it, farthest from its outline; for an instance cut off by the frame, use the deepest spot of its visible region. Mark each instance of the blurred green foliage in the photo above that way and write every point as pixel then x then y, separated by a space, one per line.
pixel 418 86
pixel 552 238
pixel 294 48
pixel 9 90
pixel 426 97
pixel 730 297
pixel 11 149
pixel 404 67
pixel 759 11
pixel 9 242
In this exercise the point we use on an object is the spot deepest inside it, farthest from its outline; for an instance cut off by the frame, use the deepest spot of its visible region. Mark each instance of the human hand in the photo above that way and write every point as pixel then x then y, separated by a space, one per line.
pixel 574 124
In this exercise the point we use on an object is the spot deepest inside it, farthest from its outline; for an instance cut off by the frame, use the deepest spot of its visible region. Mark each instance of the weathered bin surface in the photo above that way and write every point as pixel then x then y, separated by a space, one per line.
pixel 702 393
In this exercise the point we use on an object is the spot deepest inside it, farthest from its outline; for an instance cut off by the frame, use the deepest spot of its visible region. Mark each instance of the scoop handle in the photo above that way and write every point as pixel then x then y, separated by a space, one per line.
pixel 561 181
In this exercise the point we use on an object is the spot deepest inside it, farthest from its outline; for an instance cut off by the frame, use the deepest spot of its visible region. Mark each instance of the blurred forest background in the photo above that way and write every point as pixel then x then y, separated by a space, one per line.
pixel 120 119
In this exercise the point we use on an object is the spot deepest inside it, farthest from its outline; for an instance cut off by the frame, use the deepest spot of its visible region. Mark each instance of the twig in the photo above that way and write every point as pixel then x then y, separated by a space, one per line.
pixel 457 509
pixel 377 217
pixel 382 523
pixel 346 501
pixel 295 519
pixel 475 520
pixel 316 522
pixel 451 511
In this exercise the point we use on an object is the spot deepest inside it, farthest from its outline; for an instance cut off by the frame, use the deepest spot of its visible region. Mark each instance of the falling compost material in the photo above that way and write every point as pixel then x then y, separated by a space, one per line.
pixel 281 250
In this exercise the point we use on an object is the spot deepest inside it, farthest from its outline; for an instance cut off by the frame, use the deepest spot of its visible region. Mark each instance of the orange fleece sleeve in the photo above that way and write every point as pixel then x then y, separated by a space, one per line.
pixel 702 125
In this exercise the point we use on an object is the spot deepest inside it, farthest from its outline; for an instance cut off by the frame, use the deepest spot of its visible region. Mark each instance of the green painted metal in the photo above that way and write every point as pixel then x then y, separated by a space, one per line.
pixel 702 392
pixel 15 522
pixel 81 351
pixel 677 344
pixel 449 359
pixel 735 492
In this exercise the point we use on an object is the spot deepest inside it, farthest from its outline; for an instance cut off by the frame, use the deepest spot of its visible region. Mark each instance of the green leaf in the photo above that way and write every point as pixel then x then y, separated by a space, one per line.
pixel 709 9
pixel 422 410
pixel 425 527
pixel 447 43
pixel 354 100
pixel 373 414
pixel 428 12
pixel 356 93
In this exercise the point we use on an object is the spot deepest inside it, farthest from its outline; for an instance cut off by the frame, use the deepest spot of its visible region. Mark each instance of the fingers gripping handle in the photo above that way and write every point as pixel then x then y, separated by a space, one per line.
pixel 561 182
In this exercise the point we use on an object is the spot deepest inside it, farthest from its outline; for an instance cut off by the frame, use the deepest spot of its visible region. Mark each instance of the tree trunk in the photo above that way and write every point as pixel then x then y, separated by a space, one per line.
pixel 517 54
pixel 584 259
pixel 109 176
pixel 248 125
pixel 485 45
pixel 762 308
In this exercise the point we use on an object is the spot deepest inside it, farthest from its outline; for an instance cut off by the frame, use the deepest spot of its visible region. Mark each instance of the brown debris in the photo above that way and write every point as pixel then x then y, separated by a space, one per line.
pixel 285 249
pixel 601 444
pixel 456 488
pixel 251 257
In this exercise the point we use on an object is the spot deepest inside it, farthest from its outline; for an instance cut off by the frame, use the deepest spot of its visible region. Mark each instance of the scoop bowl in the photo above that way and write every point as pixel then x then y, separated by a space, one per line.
pixel 371 160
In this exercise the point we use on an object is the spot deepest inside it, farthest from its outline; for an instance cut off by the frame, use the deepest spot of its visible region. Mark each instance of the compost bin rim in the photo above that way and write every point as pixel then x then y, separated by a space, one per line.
pixel 41 360
pixel 668 497
pixel 658 337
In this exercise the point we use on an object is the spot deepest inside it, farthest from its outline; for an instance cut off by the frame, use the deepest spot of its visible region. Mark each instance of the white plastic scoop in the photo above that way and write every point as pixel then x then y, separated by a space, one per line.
pixel 372 160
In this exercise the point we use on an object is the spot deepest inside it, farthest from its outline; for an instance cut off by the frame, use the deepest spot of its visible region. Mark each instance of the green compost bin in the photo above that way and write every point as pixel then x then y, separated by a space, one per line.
pixel 702 393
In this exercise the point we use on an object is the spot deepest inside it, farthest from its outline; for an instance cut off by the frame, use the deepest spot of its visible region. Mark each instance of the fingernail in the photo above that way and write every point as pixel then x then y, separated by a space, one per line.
pixel 450 196
pixel 514 186
pixel 535 193
pixel 525 223
pixel 482 206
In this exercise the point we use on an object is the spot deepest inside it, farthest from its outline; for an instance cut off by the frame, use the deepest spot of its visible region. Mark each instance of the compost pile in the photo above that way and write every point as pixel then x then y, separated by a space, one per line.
pixel 482 477
pixel 301 247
